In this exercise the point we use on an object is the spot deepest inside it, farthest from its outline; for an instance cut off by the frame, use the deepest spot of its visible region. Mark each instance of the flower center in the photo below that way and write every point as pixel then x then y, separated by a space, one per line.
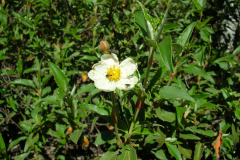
pixel 113 73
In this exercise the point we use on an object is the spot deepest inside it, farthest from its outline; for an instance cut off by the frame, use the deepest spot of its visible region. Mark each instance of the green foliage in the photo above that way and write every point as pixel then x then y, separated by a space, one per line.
pixel 187 90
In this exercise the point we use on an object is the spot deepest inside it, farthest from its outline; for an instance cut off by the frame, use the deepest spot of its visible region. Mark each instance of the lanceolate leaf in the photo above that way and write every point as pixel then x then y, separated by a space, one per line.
pixel 109 155
pixel 24 82
pixel 30 141
pixel 185 35
pixel 60 78
pixel 195 70
pixel 198 151
pixel 99 110
pixel 140 21
pixel 160 28
pixel 174 151
pixel 148 21
pixel 235 135
pixel 165 48
pixel 16 141
pixel 128 154
pixel 21 156
pixel 170 92
pixel 2 144
pixel 75 135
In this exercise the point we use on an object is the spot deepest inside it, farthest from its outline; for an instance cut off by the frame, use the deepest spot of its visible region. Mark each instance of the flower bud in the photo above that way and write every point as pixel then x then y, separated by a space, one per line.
pixel 104 46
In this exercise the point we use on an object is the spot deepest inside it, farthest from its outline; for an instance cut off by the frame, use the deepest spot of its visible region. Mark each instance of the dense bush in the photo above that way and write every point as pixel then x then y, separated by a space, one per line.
pixel 64 95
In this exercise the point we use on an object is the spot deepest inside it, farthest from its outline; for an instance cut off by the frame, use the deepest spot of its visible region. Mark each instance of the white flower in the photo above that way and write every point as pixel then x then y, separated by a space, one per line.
pixel 108 75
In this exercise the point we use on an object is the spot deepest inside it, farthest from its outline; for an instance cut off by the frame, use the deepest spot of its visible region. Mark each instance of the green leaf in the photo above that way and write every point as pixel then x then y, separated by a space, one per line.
pixel 223 59
pixel 171 26
pixel 21 156
pixel 16 141
pixel 180 111
pixel 237 113
pixel 2 144
pixel 205 21
pixel 91 22
pixel 146 126
pixel 156 77
pixel 128 154
pixel 198 151
pixel 208 133
pixel 89 58
pixel 189 136
pixel 37 18
pixel 160 155
pixel 145 131
pixel 75 135
pixel 19 65
pixel 24 82
pixel 158 32
pixel 197 71
pixel 99 110
pixel 60 78
pixel 205 35
pixel 61 127
pixel 103 137
pixel 148 21
pixel 12 103
pixel 235 135
pixel 178 48
pixel 30 141
pixel 184 151
pixel 197 5
pixel 27 23
pixel 236 51
pixel 165 115
pixel 170 92
pixel 68 44
pixel 53 133
pixel 185 35
pixel 109 155
pixel 174 151
pixel 48 99
pixel 165 49
pixel 85 88
pixel 140 21
pixel 151 42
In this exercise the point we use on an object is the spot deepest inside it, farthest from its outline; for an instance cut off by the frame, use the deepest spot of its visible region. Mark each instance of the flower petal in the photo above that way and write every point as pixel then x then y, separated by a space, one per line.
pixel 99 71
pixel 127 83
pixel 110 59
pixel 128 67
pixel 105 85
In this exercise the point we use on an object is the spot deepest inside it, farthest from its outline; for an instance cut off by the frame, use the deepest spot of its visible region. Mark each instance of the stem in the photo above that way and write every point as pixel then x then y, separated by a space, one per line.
pixel 170 80
pixel 115 119
pixel 134 120
pixel 15 123
pixel 119 141
pixel 140 95
pixel 151 51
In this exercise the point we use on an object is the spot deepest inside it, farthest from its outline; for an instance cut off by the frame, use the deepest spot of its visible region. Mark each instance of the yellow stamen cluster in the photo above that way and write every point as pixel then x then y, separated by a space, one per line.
pixel 113 73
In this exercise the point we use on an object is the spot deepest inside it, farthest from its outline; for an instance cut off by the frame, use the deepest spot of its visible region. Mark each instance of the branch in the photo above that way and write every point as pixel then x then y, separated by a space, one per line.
pixel 97 21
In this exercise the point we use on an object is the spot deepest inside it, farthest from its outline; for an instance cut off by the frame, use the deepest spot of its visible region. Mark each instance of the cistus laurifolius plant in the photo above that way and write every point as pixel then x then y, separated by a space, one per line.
pixel 126 79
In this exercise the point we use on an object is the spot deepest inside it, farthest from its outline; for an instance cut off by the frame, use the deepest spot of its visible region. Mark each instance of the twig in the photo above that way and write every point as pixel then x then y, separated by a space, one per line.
pixel 70 11
pixel 14 123
pixel 98 20
pixel 215 122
